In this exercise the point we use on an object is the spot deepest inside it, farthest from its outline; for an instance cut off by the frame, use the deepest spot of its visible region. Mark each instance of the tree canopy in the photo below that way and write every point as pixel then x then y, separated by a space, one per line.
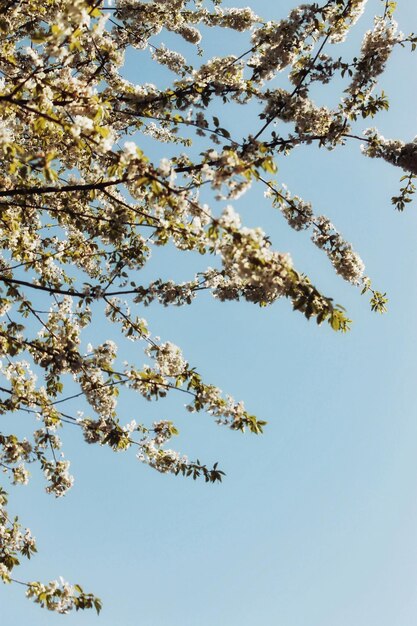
pixel 84 202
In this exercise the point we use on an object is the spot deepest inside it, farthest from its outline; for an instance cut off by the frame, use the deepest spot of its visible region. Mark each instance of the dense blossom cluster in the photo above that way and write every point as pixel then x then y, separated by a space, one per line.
pixel 297 212
pixel 394 151
pixel 250 264
pixel 342 16
pixel 310 120
pixel 278 44
pixel 345 261
pixel 376 49
pixel 300 216
pixel 82 208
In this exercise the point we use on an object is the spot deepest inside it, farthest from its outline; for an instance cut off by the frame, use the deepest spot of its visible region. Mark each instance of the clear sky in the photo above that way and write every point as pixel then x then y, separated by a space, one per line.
pixel 316 521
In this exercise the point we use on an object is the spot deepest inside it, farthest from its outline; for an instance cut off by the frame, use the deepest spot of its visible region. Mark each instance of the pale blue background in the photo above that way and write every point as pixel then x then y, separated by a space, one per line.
pixel 316 522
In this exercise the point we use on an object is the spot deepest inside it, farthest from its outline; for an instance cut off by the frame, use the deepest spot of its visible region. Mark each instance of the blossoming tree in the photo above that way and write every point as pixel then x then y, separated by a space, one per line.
pixel 82 205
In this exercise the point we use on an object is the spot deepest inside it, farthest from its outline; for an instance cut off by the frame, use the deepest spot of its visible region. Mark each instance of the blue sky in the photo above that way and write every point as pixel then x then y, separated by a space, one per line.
pixel 315 523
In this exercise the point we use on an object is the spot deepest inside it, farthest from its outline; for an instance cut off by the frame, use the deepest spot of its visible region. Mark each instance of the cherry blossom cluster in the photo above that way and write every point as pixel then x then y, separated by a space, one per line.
pixel 344 259
pixel 278 44
pixel 341 16
pixel 250 264
pixel 61 597
pixel 310 120
pixel 299 215
pixel 394 151
pixel 14 542
pixel 377 46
